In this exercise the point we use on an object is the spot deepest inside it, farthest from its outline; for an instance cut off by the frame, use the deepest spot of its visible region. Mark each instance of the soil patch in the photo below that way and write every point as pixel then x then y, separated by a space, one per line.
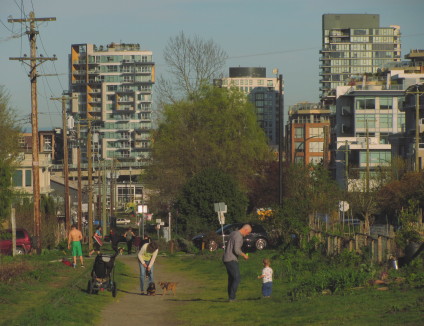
pixel 131 308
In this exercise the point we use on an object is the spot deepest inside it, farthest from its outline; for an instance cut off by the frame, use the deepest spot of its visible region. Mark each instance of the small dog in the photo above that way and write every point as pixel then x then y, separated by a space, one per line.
pixel 151 289
pixel 168 286
pixel 120 251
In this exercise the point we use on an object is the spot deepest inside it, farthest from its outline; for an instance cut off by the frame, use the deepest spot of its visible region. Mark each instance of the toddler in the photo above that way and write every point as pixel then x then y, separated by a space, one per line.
pixel 266 278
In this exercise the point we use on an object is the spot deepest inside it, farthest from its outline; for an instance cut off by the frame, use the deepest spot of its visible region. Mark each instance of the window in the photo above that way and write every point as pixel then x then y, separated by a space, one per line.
pixel 17 178
pixel 386 103
pixel 316 132
pixel 299 133
pixel 316 146
pixel 365 120
pixel 401 121
pixel 299 146
pixel 376 157
pixel 299 159
pixel 386 121
pixel 365 103
pixel 315 160
pixel 28 182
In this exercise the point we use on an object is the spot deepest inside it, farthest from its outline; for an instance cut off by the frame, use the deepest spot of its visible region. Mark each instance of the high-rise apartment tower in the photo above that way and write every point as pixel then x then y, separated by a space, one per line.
pixel 113 87
pixel 353 45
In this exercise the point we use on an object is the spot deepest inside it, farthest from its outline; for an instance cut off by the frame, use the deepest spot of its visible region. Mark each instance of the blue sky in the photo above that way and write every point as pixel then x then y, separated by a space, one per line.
pixel 283 34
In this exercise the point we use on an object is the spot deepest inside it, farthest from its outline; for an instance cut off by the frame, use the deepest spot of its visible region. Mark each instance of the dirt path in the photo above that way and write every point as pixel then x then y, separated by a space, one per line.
pixel 131 308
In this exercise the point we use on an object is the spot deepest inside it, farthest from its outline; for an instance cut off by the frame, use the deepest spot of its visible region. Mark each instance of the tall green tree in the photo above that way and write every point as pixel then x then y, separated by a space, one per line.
pixel 215 129
pixel 311 189
pixel 195 202
pixel 9 135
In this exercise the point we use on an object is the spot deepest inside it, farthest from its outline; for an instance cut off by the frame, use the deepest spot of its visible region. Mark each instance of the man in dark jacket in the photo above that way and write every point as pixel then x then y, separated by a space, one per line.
pixel 230 259
pixel 114 239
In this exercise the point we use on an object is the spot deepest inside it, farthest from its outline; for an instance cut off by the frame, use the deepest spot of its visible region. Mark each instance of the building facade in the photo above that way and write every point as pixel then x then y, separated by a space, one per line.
pixel 23 177
pixel 263 92
pixel 308 134
pixel 354 44
pixel 113 88
pixel 368 119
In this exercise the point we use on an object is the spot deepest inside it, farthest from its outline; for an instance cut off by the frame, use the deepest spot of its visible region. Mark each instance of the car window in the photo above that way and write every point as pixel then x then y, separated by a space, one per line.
pixel 258 229
pixel 20 235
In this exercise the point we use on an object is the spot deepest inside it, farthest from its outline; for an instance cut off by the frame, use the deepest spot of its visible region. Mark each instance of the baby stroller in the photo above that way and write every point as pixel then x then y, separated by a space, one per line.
pixel 102 275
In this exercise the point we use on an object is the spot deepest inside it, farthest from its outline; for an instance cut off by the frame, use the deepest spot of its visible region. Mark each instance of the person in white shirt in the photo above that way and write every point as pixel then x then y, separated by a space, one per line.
pixel 266 278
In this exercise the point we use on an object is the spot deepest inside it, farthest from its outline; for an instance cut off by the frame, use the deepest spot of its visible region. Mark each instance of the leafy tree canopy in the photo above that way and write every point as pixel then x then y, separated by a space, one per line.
pixel 310 189
pixel 215 129
pixel 195 203
pixel 9 135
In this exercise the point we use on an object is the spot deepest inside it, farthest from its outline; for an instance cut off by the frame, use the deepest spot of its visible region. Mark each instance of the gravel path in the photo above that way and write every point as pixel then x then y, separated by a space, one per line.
pixel 131 308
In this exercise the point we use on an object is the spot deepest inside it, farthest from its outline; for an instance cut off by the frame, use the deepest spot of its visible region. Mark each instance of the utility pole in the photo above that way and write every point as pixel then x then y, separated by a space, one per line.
pixel 63 99
pixel 367 175
pixel 280 139
pixel 112 190
pixel 417 125
pixel 104 193
pixel 99 194
pixel 326 142
pixel 79 176
pixel 90 186
pixel 417 130
pixel 34 62
pixel 346 160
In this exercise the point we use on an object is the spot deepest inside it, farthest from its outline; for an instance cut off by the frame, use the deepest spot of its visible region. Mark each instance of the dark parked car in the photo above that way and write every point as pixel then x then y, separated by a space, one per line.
pixel 257 239
pixel 23 242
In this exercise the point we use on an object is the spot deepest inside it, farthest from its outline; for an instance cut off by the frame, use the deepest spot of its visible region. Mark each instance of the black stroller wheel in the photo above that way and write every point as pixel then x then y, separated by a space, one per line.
pixel 113 289
pixel 90 287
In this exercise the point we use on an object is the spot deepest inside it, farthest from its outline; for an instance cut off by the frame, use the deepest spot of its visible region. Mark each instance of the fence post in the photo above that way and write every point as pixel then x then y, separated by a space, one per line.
pixel 329 245
pixel 379 249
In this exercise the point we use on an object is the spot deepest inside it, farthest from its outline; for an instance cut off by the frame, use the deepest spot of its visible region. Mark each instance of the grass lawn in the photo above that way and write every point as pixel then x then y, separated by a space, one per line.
pixel 365 306
pixel 51 293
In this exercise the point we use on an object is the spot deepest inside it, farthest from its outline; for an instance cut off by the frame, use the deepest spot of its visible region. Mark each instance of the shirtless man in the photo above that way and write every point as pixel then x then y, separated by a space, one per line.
pixel 74 239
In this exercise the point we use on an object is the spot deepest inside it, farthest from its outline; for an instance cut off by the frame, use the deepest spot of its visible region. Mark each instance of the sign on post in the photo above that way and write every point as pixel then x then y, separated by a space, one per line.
pixel 221 209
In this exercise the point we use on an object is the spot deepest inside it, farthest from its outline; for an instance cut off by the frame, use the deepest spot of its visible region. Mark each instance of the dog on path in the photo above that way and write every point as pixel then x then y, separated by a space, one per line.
pixel 168 286
pixel 151 289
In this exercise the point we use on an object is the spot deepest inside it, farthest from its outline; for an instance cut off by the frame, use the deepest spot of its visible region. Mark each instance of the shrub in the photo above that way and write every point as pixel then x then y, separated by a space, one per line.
pixel 14 271
pixel 332 280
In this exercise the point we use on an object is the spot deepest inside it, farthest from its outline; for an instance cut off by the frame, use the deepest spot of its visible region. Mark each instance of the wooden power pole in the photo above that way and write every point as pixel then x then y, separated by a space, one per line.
pixel 63 99
pixel 34 62
pixel 90 186
pixel 79 176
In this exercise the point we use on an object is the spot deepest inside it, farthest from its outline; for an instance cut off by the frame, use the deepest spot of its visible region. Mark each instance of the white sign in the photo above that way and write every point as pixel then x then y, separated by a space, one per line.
pixel 343 206
pixel 142 209
pixel 220 207
pixel 162 223
pixel 158 221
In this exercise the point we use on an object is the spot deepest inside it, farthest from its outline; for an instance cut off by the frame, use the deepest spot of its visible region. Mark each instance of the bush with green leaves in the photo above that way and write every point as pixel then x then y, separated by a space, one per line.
pixel 195 203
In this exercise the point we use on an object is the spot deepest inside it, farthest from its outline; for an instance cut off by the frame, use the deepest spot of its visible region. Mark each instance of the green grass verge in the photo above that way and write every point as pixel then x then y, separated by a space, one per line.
pixel 55 294
pixel 209 306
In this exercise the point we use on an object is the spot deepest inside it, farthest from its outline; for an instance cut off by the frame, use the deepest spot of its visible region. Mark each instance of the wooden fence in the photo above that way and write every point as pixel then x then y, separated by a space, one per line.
pixel 380 247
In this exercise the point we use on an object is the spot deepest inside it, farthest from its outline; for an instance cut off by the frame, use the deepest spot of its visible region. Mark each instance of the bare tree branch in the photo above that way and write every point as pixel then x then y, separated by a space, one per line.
pixel 190 62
